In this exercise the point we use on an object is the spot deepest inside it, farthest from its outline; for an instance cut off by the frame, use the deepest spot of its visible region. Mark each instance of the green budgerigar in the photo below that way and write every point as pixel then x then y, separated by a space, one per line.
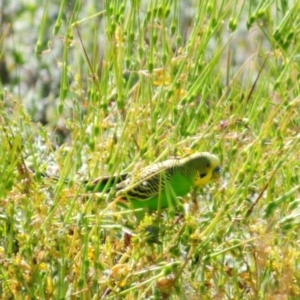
pixel 157 186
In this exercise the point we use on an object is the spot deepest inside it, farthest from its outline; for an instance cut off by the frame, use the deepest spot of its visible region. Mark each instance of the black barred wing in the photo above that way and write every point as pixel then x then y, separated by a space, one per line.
pixel 150 182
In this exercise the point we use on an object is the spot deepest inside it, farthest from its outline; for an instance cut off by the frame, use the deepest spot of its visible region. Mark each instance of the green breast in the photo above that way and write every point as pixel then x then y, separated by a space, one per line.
pixel 181 184
pixel 177 186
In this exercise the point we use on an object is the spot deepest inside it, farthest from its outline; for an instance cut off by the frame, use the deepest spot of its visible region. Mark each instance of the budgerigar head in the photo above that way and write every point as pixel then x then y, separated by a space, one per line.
pixel 206 165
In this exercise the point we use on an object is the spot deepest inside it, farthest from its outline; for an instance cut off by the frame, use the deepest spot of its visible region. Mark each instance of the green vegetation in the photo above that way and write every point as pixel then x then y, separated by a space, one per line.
pixel 116 86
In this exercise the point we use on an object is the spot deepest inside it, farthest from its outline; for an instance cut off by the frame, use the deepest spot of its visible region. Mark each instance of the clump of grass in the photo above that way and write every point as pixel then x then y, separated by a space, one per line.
pixel 140 83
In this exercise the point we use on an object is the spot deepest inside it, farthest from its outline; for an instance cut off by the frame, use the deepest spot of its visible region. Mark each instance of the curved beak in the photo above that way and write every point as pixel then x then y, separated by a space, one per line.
pixel 217 172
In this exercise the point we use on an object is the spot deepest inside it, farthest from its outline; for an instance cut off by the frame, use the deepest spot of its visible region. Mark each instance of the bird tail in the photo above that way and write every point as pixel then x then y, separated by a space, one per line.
pixel 100 184
pixel 105 183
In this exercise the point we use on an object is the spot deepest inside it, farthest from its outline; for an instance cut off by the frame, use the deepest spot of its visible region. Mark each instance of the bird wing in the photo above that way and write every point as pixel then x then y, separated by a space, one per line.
pixel 149 182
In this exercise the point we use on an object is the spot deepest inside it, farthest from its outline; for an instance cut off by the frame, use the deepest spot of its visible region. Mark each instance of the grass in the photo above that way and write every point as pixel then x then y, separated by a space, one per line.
pixel 120 85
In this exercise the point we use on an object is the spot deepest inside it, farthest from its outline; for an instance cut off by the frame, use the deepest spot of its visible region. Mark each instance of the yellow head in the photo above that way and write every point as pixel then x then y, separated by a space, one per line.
pixel 211 170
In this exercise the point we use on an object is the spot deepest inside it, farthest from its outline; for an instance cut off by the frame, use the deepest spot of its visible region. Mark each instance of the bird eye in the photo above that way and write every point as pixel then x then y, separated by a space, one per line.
pixel 202 175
